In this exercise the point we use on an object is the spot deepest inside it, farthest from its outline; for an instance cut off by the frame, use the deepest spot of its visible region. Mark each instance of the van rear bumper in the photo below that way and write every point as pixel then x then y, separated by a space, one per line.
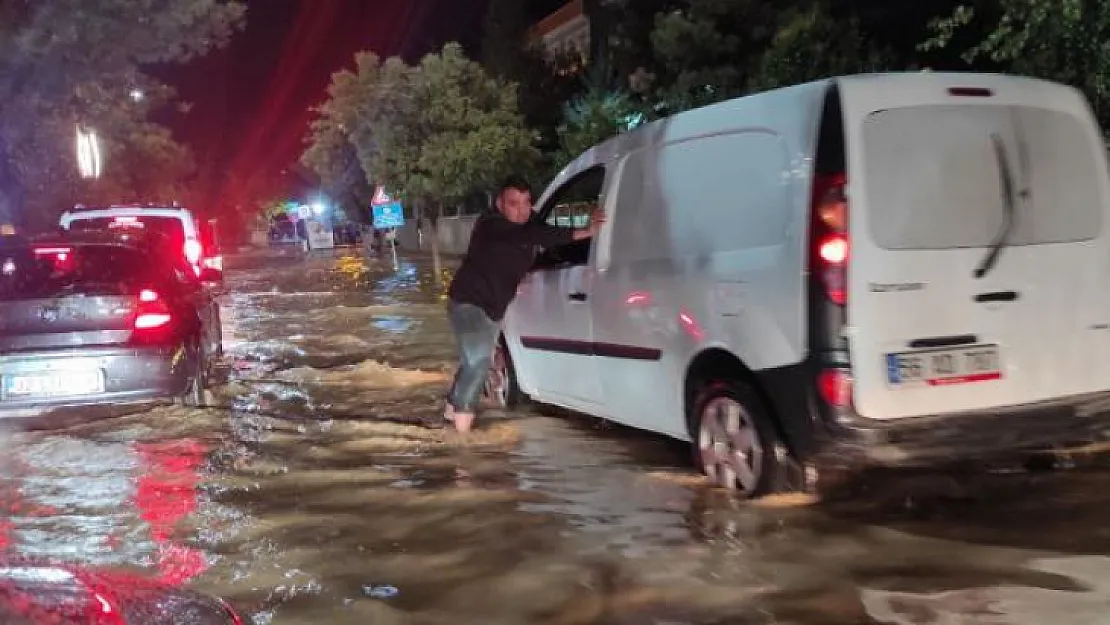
pixel 849 438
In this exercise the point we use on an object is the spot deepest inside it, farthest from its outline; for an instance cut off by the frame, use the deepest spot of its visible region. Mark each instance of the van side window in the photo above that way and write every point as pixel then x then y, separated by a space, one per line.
pixel 570 207
pixel 715 194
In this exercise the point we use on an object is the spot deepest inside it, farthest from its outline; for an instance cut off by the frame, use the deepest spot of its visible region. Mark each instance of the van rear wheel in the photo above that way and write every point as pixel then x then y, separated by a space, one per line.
pixel 734 443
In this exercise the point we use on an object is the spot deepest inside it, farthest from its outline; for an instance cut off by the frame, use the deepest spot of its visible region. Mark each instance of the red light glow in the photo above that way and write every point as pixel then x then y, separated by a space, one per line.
pixel 148 321
pixel 835 387
pixel 638 298
pixel 834 249
pixel 691 326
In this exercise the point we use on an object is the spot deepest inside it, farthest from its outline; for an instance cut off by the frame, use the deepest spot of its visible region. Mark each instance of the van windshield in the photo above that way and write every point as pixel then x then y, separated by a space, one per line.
pixel 934 180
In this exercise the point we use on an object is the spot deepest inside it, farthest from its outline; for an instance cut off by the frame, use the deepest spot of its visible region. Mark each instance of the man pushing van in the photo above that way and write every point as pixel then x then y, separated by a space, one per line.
pixel 501 251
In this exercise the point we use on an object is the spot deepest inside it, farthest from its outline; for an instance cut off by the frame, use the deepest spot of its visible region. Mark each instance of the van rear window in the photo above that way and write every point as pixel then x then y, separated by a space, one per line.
pixel 934 177
pixel 169 227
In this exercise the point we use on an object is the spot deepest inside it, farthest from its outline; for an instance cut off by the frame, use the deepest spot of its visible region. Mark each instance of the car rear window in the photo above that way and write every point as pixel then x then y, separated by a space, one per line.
pixel 55 271
pixel 934 180
pixel 169 227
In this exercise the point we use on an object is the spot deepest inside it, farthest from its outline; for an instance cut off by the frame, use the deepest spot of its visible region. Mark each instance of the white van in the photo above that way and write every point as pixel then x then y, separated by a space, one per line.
pixel 894 268
pixel 194 237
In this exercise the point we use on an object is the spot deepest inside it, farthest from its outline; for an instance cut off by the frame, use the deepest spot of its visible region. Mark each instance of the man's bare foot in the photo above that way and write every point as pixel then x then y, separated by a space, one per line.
pixel 463 421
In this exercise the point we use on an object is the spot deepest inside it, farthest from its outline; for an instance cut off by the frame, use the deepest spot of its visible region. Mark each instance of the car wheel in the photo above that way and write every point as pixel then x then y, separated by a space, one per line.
pixel 734 442
pixel 501 385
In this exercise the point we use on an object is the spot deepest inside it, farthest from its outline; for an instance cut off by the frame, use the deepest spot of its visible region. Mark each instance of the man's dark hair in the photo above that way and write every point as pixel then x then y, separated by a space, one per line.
pixel 515 181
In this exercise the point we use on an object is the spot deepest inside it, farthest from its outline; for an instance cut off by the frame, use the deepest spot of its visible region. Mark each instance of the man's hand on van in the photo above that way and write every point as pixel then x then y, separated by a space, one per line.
pixel 597 219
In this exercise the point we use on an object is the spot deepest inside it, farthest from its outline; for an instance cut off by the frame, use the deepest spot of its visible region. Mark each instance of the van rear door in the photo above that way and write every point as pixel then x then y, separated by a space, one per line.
pixel 979 266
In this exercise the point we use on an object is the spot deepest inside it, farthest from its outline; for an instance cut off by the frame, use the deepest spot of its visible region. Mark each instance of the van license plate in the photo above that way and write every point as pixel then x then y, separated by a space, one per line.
pixel 942 367
pixel 55 384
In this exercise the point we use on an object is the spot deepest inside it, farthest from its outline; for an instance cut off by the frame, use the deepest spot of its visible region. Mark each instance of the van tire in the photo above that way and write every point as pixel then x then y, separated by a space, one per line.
pixel 734 441
pixel 511 396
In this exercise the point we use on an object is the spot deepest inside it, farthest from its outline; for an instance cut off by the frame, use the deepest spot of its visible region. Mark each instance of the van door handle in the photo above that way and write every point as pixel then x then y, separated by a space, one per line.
pixel 578 297
pixel 997 296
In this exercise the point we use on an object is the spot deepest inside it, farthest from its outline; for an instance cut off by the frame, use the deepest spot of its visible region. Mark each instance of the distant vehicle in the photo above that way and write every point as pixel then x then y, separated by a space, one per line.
pixel 86 323
pixel 882 269
pixel 196 239
pixel 33 593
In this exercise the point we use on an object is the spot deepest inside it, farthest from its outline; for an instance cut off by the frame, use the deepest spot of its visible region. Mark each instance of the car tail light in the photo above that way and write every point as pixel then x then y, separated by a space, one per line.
pixel 835 387
pixel 214 262
pixel 193 251
pixel 832 250
pixel 62 256
pixel 153 311
pixel 53 251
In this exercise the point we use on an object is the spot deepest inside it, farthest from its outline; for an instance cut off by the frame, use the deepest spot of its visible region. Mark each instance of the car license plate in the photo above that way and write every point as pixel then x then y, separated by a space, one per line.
pixel 53 384
pixel 943 367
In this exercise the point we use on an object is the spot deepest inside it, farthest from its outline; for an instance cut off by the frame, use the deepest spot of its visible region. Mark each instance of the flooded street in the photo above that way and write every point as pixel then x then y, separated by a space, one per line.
pixel 311 491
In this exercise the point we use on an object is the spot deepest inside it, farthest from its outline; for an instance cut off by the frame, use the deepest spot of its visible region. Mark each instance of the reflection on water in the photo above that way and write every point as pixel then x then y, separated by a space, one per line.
pixel 315 493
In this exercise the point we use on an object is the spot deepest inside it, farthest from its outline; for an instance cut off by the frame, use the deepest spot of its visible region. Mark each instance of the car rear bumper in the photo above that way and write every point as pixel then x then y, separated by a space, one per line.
pixel 853 439
pixel 131 375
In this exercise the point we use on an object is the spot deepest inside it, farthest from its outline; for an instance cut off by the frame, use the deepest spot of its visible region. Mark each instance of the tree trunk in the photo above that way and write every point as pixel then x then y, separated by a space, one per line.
pixel 433 220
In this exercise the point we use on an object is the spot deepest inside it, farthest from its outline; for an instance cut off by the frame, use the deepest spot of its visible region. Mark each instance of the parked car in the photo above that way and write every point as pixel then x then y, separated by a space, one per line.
pixel 86 322
pixel 34 592
pixel 882 269
pixel 193 237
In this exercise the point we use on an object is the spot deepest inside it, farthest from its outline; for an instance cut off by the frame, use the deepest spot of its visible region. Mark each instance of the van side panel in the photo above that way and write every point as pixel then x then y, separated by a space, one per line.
pixel 707 250
pixel 936 175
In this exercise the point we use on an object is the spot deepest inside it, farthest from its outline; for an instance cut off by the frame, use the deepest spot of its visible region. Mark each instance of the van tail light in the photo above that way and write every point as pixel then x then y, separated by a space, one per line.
pixel 835 387
pixel 193 251
pixel 832 250
pixel 153 311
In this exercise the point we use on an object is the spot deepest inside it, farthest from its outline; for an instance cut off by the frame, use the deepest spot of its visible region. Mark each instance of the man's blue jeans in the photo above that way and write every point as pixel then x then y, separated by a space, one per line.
pixel 476 335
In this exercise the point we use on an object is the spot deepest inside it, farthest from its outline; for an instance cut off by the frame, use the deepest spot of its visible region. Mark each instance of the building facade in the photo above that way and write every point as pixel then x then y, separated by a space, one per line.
pixel 566 32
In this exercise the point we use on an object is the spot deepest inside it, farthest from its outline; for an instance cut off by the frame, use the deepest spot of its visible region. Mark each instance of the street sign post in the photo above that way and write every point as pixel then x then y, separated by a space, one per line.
pixel 390 215
pixel 387 214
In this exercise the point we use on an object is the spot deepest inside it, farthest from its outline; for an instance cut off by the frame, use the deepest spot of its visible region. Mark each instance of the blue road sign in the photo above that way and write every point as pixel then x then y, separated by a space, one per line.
pixel 388 215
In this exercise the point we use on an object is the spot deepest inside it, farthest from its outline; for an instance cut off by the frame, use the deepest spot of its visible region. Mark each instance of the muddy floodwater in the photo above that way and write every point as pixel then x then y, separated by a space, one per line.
pixel 310 491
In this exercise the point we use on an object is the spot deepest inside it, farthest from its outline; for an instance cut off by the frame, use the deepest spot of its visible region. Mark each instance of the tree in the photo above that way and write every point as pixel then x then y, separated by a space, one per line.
pixel 1063 40
pixel 591 118
pixel 69 62
pixel 432 134
pixel 333 158
pixel 709 50
pixel 545 82
pixel 810 43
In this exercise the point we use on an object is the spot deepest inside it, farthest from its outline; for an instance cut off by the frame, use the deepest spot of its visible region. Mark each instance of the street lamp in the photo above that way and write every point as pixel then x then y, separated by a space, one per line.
pixel 319 208
pixel 88 153
pixel 137 95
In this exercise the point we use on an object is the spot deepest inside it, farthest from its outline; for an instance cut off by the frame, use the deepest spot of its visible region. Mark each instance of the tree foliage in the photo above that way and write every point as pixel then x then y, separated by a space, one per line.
pixel 591 118
pixel 709 50
pixel 64 62
pixel 1063 40
pixel 433 133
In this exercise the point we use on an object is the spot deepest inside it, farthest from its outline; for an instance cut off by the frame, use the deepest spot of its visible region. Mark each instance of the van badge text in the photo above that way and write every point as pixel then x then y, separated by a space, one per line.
pixel 894 287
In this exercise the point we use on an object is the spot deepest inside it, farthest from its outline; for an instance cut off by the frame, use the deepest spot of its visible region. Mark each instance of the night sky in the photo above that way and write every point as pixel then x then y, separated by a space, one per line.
pixel 251 101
